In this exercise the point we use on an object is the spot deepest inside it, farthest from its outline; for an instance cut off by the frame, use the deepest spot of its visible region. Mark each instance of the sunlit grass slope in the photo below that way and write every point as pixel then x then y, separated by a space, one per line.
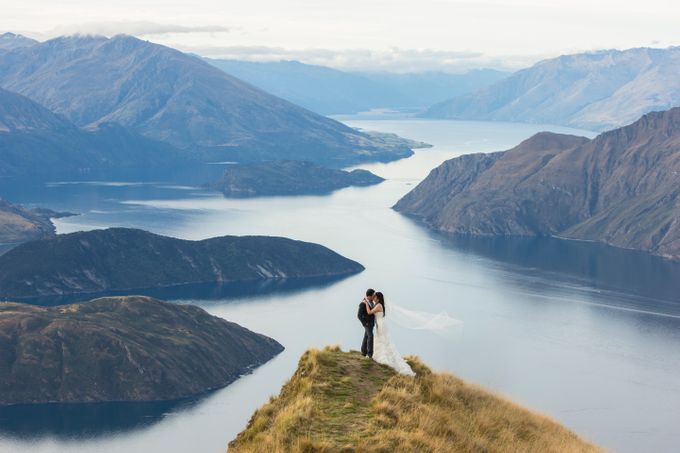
pixel 339 401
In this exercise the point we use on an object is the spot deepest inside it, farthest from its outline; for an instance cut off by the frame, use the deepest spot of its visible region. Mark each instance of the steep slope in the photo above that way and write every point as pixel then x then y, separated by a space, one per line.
pixel 330 91
pixel 121 349
pixel 289 178
pixel 621 188
pixel 177 98
pixel 18 224
pixel 36 142
pixel 597 91
pixel 339 401
pixel 122 259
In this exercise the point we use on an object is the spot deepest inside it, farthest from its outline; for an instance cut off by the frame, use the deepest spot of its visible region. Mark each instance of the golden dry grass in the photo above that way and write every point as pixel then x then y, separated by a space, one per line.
pixel 340 402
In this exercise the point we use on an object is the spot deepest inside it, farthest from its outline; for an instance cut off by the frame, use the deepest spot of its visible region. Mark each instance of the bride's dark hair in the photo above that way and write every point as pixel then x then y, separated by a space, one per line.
pixel 381 301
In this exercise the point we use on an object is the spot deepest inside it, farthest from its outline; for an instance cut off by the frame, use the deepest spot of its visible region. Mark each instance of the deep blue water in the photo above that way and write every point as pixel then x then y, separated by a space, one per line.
pixel 585 333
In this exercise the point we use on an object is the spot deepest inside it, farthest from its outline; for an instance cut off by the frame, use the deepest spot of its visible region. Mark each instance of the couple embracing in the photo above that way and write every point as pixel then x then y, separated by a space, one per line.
pixel 378 346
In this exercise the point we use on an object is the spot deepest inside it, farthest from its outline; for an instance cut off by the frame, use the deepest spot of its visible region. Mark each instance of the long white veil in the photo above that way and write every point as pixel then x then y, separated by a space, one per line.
pixel 421 320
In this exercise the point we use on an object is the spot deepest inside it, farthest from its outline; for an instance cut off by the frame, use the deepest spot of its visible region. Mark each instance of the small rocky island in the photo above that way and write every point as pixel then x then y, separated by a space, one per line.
pixel 621 188
pixel 121 349
pixel 289 177
pixel 339 401
pixel 119 259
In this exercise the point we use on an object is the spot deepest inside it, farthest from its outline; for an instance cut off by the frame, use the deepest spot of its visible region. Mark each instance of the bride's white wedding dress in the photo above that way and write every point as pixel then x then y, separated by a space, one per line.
pixel 384 351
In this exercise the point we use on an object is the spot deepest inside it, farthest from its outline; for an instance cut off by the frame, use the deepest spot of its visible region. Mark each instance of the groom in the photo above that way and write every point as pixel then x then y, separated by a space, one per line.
pixel 368 322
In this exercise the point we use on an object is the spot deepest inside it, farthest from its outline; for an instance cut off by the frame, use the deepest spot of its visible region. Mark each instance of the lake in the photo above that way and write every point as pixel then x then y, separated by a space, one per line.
pixel 585 333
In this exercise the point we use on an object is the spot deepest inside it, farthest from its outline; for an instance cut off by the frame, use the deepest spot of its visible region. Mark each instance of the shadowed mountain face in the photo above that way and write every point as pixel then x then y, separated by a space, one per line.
pixel 120 259
pixel 289 178
pixel 329 91
pixel 621 188
pixel 18 113
pixel 121 349
pixel 596 91
pixel 173 97
pixel 36 142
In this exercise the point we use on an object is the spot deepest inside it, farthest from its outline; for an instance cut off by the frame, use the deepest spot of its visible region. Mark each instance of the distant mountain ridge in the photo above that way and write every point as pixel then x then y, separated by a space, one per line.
pixel 621 188
pixel 597 91
pixel 330 91
pixel 179 99
pixel 10 41
pixel 118 259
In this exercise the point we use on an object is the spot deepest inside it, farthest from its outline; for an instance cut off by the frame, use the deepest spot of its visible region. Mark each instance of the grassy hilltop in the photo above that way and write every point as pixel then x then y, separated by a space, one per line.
pixel 339 401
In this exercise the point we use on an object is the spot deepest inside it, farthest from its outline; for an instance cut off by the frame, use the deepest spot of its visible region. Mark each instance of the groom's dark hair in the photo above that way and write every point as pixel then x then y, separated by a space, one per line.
pixel 370 292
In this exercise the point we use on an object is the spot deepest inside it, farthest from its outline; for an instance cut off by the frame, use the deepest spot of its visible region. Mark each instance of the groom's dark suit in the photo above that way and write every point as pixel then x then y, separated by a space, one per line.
pixel 368 321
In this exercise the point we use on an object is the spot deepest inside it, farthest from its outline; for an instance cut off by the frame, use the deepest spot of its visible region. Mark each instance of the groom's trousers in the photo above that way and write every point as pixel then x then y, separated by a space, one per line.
pixel 367 344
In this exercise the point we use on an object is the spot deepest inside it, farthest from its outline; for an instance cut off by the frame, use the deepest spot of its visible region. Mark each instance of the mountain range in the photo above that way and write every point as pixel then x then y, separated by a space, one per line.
pixel 121 349
pixel 330 91
pixel 122 259
pixel 621 188
pixel 179 99
pixel 597 91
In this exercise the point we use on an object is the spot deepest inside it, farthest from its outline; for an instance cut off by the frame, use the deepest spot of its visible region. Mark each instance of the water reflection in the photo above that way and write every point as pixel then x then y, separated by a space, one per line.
pixel 201 291
pixel 79 421
pixel 594 265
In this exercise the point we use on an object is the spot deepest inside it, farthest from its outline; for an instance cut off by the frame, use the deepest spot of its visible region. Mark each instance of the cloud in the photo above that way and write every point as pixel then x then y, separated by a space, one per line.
pixel 134 28
pixel 392 60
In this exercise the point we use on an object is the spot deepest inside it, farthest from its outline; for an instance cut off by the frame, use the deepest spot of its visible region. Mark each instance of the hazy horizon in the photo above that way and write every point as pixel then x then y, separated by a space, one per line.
pixel 369 35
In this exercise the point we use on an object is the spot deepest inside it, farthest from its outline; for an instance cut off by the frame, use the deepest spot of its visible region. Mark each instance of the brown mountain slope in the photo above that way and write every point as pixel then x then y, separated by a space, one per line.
pixel 18 224
pixel 121 349
pixel 621 188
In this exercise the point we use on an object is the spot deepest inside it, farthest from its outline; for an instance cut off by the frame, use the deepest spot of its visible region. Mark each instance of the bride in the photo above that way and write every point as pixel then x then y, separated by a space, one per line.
pixel 383 350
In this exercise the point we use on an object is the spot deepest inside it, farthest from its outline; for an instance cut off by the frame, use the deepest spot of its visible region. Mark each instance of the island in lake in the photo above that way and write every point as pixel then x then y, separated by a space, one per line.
pixel 621 188
pixel 339 401
pixel 119 259
pixel 121 349
pixel 289 177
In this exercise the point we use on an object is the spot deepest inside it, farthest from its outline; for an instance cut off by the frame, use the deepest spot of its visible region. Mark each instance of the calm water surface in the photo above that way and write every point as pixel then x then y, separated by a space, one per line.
pixel 587 334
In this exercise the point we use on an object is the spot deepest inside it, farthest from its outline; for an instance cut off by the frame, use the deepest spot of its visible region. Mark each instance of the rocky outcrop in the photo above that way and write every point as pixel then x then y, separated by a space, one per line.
pixel 621 188
pixel 121 349
pixel 339 402
pixel 124 259
pixel 289 178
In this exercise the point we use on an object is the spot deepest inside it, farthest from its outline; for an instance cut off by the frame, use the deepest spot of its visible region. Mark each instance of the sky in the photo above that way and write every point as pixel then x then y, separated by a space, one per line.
pixel 389 35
